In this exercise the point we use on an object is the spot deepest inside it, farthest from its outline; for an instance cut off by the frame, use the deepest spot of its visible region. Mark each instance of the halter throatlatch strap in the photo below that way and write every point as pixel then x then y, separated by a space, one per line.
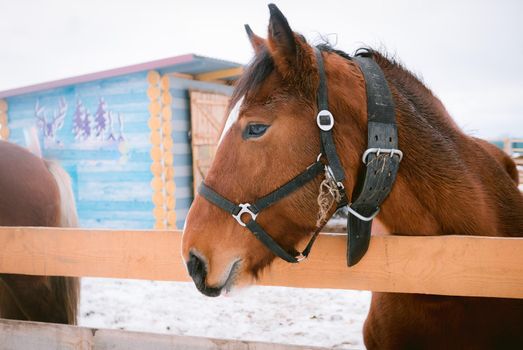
pixel 244 209
pixel 382 160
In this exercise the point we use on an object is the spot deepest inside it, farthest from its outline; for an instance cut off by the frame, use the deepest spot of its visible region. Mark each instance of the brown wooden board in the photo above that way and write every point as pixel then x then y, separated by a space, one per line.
pixel 20 335
pixel 447 265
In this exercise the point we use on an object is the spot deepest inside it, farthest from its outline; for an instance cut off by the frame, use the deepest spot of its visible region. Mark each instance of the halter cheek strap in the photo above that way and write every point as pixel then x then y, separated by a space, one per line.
pixel 325 121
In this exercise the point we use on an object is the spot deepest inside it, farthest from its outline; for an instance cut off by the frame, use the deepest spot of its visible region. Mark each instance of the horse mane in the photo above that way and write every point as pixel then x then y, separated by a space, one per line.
pixel 394 70
pixel 262 65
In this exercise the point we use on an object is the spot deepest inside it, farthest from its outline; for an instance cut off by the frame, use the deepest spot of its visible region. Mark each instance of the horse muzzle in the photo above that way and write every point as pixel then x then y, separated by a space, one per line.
pixel 197 267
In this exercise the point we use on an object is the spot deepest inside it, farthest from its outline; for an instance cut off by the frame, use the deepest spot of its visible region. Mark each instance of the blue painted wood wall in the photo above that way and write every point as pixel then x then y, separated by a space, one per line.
pixel 181 120
pixel 112 178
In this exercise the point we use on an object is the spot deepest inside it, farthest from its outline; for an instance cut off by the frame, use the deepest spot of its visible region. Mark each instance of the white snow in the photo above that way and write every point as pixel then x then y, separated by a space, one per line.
pixel 313 317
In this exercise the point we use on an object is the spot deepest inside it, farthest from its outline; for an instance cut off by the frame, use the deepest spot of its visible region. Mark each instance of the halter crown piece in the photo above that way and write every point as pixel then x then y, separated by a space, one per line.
pixel 381 160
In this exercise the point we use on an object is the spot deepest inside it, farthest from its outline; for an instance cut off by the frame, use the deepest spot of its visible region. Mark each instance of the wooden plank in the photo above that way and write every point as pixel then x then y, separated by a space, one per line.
pixel 3 105
pixel 447 265
pixel 21 335
pixel 180 75
pixel 18 335
pixel 153 77
pixel 4 125
pixel 220 74
pixel 122 340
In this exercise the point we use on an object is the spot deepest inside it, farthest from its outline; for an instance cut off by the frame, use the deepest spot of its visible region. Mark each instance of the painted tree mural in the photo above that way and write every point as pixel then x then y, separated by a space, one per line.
pixel 101 119
pixel 81 122
pixel 90 131
pixel 104 124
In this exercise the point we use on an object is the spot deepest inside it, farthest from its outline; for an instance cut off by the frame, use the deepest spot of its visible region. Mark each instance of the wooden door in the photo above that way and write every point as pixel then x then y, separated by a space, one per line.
pixel 207 122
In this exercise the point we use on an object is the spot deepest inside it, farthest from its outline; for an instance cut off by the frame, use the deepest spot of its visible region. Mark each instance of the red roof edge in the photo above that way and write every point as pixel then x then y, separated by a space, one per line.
pixel 166 62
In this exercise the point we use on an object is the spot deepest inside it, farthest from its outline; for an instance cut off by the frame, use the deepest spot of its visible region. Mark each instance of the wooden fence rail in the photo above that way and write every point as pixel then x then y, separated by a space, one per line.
pixel 19 335
pixel 447 265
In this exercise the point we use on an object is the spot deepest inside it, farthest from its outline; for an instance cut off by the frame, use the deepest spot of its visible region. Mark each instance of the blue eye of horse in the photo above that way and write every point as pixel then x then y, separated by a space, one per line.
pixel 254 130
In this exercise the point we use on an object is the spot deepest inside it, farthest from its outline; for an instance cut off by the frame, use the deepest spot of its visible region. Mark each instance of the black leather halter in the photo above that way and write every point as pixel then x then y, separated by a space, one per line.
pixel 237 210
pixel 382 160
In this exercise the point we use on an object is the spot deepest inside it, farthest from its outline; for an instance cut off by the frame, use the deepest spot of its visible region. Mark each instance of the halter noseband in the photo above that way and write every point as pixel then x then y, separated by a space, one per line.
pixel 373 186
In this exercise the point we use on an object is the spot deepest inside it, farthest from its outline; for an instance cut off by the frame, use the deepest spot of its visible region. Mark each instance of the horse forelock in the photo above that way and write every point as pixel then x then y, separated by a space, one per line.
pixel 302 78
pixel 260 67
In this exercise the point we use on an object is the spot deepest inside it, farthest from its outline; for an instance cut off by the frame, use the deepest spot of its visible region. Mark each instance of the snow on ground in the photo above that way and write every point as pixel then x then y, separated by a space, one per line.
pixel 314 317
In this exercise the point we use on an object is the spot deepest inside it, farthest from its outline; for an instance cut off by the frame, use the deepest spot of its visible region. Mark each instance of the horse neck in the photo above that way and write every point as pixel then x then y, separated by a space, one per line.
pixel 442 186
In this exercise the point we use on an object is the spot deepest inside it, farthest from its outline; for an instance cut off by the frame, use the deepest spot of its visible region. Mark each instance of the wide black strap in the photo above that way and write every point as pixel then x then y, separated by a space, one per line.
pixel 375 182
pixel 327 141
pixel 310 173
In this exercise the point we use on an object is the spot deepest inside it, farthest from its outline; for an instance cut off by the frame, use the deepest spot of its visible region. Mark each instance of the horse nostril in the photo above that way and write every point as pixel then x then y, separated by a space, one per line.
pixel 197 269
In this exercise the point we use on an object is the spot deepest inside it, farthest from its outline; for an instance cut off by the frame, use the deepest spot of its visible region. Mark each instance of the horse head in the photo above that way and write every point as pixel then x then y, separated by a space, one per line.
pixel 272 137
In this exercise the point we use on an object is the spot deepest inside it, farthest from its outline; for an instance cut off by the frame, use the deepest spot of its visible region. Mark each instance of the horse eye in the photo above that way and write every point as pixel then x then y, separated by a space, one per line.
pixel 254 130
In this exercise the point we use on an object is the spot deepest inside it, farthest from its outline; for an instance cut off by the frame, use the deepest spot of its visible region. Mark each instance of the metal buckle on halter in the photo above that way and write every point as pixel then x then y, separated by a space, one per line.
pixel 245 209
pixel 300 257
pixel 330 175
pixel 391 151
pixel 361 217
pixel 325 120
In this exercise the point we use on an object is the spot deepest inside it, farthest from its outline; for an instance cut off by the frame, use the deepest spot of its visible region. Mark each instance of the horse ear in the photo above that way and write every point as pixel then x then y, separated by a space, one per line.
pixel 287 48
pixel 281 36
pixel 282 42
pixel 257 42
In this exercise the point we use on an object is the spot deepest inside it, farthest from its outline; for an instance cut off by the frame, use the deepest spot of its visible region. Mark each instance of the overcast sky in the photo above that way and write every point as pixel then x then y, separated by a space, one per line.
pixel 470 53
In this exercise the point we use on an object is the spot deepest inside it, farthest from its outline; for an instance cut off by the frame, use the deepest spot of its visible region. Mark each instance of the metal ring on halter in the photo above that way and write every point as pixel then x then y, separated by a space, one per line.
pixel 391 151
pixel 361 217
pixel 245 210
pixel 325 120
pixel 300 257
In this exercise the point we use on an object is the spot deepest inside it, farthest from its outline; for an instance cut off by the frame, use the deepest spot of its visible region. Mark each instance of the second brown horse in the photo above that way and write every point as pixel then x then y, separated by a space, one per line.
pixel 36 192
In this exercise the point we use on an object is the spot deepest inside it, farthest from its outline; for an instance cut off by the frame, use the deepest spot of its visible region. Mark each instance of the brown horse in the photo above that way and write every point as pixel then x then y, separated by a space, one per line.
pixel 36 192
pixel 448 183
